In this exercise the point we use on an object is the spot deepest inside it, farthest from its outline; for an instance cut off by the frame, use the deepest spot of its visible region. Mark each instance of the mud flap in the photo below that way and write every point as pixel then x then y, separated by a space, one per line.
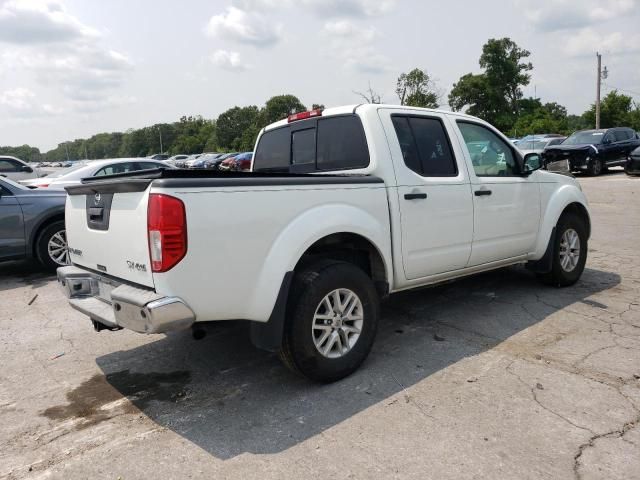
pixel 268 335
pixel 545 264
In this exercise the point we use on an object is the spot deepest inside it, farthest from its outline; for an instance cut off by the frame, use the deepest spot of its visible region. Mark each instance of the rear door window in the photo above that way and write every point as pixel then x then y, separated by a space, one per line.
pixel 341 144
pixel 425 146
pixel 115 168
pixel 325 144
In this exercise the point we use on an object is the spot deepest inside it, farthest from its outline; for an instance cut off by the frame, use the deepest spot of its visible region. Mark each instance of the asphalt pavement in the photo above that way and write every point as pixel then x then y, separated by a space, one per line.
pixel 495 376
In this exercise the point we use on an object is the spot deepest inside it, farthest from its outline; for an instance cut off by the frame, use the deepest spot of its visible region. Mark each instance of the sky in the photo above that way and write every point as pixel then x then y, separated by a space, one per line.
pixel 73 68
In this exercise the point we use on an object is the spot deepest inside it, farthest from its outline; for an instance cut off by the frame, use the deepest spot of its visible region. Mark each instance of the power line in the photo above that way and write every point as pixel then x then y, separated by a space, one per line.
pixel 612 87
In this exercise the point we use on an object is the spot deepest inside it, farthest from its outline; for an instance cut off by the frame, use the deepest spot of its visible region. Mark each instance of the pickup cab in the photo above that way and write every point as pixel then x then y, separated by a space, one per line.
pixel 342 207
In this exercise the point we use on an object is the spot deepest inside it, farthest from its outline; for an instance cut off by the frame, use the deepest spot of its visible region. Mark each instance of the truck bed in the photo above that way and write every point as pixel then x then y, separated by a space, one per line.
pixel 244 230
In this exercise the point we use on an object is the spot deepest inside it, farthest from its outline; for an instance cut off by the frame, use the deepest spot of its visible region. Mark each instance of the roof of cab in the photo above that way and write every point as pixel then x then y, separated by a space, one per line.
pixel 346 109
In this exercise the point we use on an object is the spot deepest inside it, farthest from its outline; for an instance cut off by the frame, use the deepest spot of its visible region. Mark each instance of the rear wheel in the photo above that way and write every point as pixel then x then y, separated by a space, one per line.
pixel 51 246
pixel 569 252
pixel 332 321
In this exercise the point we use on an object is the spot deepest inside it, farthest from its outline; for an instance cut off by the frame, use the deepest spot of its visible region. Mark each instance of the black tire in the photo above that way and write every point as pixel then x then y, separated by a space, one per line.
pixel 309 288
pixel 42 245
pixel 596 167
pixel 559 276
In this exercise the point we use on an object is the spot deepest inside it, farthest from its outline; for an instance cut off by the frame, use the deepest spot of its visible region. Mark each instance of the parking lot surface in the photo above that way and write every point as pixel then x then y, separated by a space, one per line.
pixel 495 376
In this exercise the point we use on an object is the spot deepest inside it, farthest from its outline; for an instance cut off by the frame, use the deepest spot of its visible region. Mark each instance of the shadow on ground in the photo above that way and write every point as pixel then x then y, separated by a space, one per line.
pixel 229 398
pixel 15 274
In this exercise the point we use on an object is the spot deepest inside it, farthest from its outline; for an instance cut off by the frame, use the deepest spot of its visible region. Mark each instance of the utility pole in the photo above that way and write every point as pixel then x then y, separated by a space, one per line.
pixel 598 90
pixel 160 132
pixel 66 149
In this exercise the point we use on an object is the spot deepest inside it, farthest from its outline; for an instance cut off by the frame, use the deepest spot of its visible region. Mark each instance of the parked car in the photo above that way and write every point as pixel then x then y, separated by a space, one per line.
pixel 537 136
pixel 416 207
pixel 32 224
pixel 538 145
pixel 213 163
pixel 159 156
pixel 593 151
pixel 74 175
pixel 632 167
pixel 15 169
pixel 239 163
pixel 243 162
pixel 175 159
pixel 182 163
pixel 199 160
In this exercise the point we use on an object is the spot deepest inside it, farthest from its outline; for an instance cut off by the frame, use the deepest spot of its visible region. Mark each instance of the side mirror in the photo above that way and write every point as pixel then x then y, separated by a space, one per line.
pixel 606 141
pixel 27 169
pixel 532 162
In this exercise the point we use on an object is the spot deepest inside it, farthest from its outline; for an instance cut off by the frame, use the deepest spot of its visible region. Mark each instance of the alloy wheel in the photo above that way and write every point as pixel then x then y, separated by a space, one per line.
pixel 337 323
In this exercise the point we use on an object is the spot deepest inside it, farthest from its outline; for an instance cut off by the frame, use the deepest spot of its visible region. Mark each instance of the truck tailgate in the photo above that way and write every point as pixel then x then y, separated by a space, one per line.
pixel 107 232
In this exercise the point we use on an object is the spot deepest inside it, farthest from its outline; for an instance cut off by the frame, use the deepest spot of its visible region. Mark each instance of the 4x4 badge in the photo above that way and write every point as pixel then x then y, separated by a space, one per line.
pixel 96 198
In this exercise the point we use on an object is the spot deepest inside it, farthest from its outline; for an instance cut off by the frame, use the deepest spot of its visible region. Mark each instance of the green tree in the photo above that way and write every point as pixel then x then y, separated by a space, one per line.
pixel 233 123
pixel 417 89
pixel 279 107
pixel 616 110
pixel 24 152
pixel 495 93
pixel 538 118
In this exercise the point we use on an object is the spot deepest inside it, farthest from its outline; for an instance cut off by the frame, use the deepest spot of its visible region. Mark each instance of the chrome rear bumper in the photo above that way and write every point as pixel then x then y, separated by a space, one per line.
pixel 119 305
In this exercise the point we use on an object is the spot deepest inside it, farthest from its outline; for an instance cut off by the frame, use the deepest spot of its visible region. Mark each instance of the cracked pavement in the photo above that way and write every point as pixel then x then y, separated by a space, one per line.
pixel 495 376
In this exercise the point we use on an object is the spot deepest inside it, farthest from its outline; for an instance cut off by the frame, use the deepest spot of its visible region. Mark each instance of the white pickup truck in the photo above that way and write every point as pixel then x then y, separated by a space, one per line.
pixel 342 208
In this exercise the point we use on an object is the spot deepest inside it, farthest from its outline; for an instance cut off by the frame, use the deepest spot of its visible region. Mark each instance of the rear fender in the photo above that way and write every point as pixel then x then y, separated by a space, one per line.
pixel 301 233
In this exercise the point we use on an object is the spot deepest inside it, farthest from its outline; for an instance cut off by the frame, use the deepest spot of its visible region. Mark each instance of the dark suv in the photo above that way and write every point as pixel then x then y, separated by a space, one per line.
pixel 594 150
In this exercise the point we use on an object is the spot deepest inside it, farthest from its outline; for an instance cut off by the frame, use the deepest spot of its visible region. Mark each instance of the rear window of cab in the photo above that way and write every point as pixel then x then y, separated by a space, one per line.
pixel 313 145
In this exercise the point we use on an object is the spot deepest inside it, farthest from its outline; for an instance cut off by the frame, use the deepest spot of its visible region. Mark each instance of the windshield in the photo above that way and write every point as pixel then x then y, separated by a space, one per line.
pixel 584 138
pixel 533 145
pixel 64 171
pixel 8 181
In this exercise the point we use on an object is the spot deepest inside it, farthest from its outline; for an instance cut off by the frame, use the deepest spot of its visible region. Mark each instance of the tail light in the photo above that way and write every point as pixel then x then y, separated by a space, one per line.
pixel 167 230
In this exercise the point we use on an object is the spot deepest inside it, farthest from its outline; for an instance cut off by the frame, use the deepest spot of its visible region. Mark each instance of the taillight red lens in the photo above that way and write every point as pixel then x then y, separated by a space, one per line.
pixel 167 230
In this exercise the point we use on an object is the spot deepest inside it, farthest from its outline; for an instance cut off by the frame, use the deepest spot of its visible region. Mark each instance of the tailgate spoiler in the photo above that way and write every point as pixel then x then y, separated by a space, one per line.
pixel 176 178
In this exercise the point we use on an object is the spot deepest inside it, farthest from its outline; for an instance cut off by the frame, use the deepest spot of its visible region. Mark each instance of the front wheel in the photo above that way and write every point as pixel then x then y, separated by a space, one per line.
pixel 51 246
pixel 569 252
pixel 332 321
pixel 595 167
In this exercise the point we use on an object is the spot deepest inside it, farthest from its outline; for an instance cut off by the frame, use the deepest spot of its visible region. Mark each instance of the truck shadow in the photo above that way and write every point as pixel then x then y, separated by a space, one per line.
pixel 229 398
pixel 16 274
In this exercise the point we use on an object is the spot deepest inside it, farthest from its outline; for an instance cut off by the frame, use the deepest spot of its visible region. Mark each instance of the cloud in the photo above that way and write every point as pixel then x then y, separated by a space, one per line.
pixel 26 22
pixel 587 41
pixel 243 27
pixel 228 60
pixel 350 8
pixel 60 52
pixel 354 45
pixel 349 31
pixel 325 8
pixel 569 15
pixel 22 103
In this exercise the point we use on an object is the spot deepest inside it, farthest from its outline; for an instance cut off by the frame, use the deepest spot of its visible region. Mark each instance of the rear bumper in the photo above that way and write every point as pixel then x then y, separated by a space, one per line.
pixel 116 305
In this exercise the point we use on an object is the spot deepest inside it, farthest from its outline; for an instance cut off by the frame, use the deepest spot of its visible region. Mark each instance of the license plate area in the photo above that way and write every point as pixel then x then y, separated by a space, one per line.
pixel 104 291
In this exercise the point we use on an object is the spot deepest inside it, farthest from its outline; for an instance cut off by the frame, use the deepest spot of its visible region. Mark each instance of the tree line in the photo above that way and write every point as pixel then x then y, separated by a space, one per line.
pixel 494 94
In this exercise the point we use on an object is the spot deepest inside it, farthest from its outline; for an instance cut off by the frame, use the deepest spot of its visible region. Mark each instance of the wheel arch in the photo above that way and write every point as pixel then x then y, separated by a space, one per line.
pixel 39 228
pixel 567 198
pixel 338 232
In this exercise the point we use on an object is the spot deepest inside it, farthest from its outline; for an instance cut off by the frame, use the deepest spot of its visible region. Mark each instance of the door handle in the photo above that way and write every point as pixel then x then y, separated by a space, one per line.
pixel 415 196
pixel 480 193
